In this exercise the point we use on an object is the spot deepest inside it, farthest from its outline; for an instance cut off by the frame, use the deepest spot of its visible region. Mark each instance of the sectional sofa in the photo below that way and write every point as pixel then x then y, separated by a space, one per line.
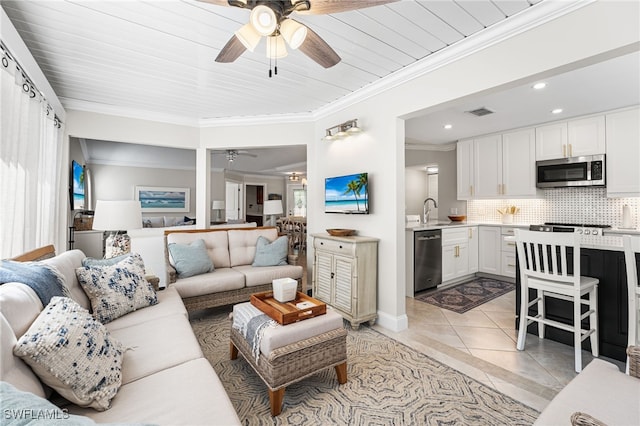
pixel 165 378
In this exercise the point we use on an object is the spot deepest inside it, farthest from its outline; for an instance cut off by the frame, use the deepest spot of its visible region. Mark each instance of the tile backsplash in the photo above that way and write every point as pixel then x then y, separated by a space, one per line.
pixel 565 205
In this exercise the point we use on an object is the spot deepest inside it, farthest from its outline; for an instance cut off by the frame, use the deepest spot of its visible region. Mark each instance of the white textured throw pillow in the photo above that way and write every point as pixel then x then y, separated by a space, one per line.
pixel 73 353
pixel 115 290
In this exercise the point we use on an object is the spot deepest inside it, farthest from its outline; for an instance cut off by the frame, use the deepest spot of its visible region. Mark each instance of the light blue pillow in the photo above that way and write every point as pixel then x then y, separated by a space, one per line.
pixel 271 253
pixel 191 259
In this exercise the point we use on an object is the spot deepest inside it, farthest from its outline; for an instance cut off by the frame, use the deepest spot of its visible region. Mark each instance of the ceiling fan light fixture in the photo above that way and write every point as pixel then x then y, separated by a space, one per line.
pixel 293 32
pixel 248 36
pixel 276 47
pixel 263 19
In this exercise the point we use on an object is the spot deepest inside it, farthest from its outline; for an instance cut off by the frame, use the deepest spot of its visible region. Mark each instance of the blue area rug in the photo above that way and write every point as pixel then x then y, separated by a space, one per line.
pixel 466 296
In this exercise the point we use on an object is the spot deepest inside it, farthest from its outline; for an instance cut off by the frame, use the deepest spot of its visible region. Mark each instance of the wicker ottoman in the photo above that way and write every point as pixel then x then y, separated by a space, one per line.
pixel 294 361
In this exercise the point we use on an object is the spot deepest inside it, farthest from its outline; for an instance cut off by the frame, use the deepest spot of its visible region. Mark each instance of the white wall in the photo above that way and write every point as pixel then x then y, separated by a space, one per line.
pixel 415 187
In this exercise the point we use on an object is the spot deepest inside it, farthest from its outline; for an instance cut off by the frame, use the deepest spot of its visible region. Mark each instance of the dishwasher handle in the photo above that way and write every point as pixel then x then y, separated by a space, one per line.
pixel 433 237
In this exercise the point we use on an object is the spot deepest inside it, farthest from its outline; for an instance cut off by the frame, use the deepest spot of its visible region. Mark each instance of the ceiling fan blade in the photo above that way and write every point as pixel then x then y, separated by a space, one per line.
pixel 318 50
pixel 322 7
pixel 231 51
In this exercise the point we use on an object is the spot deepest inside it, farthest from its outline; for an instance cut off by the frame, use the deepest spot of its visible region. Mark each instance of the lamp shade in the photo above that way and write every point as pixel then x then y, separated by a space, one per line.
pixel 248 36
pixel 117 215
pixel 276 47
pixel 272 207
pixel 293 32
pixel 217 205
pixel 263 20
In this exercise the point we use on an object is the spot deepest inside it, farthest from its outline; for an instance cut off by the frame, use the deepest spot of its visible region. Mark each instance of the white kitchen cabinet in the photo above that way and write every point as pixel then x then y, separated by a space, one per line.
pixel 455 253
pixel 345 275
pixel 623 153
pixel 574 138
pixel 464 154
pixel 473 249
pixel 519 163
pixel 551 141
pixel 586 136
pixel 490 249
pixel 508 254
pixel 487 166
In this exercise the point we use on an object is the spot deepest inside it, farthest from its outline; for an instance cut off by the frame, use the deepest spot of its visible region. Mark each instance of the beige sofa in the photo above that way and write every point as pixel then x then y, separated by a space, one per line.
pixel 233 280
pixel 165 377
pixel 600 395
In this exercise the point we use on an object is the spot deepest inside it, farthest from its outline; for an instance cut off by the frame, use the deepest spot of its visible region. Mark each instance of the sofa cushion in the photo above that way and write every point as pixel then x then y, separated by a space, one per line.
pixel 265 275
pixel 21 409
pixel 90 261
pixel 222 279
pixel 169 303
pixel 187 394
pixel 242 244
pixel 73 353
pixel 20 306
pixel 600 390
pixel 190 259
pixel 271 253
pixel 13 369
pixel 66 264
pixel 217 244
pixel 156 345
pixel 118 289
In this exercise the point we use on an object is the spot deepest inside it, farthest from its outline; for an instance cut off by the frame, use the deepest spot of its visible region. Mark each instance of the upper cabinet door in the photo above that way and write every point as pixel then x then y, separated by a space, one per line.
pixel 586 136
pixel 551 141
pixel 519 163
pixel 487 166
pixel 623 153
pixel 464 154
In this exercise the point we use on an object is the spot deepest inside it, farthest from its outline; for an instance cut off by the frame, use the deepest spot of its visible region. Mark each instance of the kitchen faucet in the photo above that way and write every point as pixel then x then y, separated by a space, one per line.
pixel 426 210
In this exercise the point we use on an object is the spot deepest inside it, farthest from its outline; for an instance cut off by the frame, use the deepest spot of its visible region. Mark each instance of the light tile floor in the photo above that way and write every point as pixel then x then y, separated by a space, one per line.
pixel 482 344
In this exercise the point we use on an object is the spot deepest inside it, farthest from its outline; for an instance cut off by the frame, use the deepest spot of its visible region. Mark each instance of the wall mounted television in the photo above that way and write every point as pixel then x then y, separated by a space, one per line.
pixel 78 192
pixel 347 194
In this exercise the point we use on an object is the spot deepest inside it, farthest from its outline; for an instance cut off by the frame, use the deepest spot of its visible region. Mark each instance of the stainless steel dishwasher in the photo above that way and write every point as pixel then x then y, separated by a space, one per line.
pixel 427 259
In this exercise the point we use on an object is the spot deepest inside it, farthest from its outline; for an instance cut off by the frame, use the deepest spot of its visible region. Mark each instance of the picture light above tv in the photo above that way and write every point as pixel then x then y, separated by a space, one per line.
pixel 347 194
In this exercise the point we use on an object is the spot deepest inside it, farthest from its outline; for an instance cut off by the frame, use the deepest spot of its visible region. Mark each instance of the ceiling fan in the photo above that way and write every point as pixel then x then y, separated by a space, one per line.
pixel 232 154
pixel 270 18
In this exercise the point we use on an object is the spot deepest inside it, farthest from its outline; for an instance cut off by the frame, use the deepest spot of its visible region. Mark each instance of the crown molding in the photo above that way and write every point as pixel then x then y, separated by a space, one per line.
pixel 414 145
pixel 86 106
pixel 255 120
pixel 120 163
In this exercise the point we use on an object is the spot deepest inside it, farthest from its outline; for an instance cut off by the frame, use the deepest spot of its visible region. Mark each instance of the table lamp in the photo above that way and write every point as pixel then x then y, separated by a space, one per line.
pixel 218 206
pixel 115 216
pixel 272 208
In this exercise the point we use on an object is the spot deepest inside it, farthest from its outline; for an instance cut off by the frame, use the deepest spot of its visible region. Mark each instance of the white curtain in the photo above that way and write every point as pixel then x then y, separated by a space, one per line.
pixel 30 158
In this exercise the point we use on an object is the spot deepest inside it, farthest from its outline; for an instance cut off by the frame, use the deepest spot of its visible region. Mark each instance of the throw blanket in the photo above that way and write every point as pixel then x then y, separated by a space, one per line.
pixel 251 323
pixel 42 279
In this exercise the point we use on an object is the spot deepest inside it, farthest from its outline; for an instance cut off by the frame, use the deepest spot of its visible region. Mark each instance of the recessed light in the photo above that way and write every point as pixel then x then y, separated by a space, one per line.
pixel 447 126
pixel 540 85
pixel 556 111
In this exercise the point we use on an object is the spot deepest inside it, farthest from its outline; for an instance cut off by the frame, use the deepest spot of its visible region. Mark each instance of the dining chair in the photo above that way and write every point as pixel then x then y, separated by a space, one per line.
pixel 543 258
pixel 631 247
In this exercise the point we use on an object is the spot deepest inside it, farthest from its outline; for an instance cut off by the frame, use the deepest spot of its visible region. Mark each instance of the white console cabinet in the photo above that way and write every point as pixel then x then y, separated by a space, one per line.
pixel 345 275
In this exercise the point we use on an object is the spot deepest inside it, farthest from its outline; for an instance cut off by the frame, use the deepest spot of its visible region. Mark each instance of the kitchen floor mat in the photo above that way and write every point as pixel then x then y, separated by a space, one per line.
pixel 466 296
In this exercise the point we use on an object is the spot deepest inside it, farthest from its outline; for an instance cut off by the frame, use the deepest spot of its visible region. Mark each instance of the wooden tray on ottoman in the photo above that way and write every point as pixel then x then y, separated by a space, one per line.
pixel 287 313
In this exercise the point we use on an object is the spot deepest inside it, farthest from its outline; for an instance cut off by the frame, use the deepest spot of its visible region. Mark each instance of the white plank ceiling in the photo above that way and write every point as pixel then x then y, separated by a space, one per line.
pixel 158 56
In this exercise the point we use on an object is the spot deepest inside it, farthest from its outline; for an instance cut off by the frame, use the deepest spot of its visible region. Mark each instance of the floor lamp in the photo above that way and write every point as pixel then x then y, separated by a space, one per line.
pixel 272 208
pixel 218 206
pixel 113 217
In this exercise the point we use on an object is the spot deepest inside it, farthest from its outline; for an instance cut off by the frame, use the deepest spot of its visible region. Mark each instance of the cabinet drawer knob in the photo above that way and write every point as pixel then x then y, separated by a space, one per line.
pixel 340 246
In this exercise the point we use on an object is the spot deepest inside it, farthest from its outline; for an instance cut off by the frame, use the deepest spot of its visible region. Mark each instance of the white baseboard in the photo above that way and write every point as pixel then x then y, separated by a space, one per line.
pixel 393 323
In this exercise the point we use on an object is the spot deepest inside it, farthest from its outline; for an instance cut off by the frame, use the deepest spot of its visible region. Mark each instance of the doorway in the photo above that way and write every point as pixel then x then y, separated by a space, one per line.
pixel 297 200
pixel 254 202
pixel 233 201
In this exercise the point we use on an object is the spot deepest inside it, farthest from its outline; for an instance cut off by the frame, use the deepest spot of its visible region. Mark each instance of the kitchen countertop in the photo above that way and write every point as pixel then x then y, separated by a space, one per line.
pixel 444 225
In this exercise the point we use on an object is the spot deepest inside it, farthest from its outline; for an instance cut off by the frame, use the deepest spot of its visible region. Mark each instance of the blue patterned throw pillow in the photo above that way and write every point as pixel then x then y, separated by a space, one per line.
pixel 73 353
pixel 115 290
pixel 191 259
pixel 271 253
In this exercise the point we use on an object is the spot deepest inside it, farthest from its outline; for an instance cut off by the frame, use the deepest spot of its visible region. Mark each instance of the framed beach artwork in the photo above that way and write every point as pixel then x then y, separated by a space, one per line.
pixel 156 199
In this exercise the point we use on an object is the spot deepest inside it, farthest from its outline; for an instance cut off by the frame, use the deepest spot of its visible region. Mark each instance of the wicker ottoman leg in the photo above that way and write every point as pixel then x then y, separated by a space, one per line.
pixel 233 351
pixel 275 398
pixel 341 372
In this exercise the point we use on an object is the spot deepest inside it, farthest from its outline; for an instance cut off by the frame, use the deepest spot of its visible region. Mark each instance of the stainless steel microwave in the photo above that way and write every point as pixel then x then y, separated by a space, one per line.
pixel 588 170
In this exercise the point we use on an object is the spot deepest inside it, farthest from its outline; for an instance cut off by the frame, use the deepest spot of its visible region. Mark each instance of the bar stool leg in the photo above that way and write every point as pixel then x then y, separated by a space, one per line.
pixel 577 332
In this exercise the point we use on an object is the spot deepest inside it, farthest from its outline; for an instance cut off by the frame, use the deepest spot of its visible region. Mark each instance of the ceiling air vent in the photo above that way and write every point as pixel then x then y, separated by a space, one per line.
pixel 480 112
